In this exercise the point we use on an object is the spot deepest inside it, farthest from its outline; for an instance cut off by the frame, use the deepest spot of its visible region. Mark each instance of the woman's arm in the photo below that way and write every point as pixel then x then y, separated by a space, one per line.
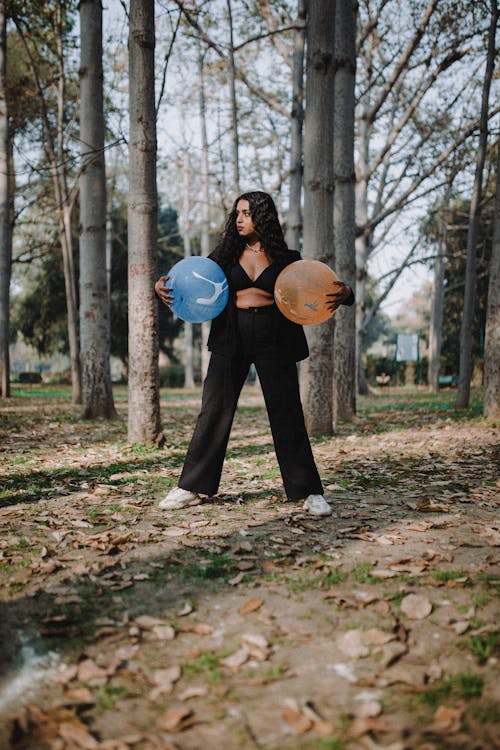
pixel 164 292
pixel 342 295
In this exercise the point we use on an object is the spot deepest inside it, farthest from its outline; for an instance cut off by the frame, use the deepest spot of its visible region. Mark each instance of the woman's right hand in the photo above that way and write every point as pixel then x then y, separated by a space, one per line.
pixel 164 292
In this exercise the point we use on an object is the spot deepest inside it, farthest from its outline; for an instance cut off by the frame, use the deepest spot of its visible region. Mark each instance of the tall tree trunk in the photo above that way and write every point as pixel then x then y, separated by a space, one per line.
pixel 205 204
pixel 186 235
pixel 344 349
pixel 109 229
pixel 437 304
pixel 294 215
pixel 144 403
pixel 363 244
pixel 65 207
pixel 97 394
pixel 54 147
pixel 316 372
pixel 234 105
pixel 492 337
pixel 465 365
pixel 5 226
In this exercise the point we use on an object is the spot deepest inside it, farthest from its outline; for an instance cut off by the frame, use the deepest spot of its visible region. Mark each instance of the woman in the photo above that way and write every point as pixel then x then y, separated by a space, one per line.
pixel 251 329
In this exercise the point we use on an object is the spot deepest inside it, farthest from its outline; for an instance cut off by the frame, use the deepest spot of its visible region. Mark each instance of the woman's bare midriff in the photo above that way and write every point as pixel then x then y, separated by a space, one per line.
pixel 253 297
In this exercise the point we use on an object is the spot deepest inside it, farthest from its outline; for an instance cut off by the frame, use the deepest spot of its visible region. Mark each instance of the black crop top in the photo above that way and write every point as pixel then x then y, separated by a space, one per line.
pixel 239 279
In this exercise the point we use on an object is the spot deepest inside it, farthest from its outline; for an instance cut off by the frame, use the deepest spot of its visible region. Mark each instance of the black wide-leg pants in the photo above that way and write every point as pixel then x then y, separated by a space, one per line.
pixel 222 387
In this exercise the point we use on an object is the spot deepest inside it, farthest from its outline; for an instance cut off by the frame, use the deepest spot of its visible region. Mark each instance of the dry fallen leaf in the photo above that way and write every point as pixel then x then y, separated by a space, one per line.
pixel 90 673
pixel 76 735
pixel 236 580
pixel 351 644
pixel 202 628
pixel 364 724
pixel 65 674
pixel 176 531
pixel 391 653
pixel 368 743
pixel 236 659
pixel 257 645
pixel 446 721
pixel 368 709
pixel 193 692
pixel 146 622
pixel 251 605
pixel 186 609
pixel 78 695
pixel 416 606
pixel 164 632
pixel 295 718
pixel 176 719
pixel 375 637
pixel 164 680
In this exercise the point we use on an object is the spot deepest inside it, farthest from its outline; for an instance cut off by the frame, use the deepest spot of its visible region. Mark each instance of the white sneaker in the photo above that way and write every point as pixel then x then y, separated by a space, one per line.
pixel 179 498
pixel 317 505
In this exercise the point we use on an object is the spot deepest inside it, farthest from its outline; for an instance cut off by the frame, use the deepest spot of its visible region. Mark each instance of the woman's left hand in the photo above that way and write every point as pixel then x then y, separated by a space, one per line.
pixel 341 292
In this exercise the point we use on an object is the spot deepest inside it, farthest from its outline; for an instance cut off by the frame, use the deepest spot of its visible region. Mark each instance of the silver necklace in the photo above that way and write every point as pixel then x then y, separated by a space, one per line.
pixel 260 250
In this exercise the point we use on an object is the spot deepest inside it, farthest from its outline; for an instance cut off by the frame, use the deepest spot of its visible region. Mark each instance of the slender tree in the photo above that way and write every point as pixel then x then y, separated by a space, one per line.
pixel 234 104
pixel 294 214
pixel 436 321
pixel 144 404
pixel 5 225
pixel 205 199
pixel 344 350
pixel 465 367
pixel 316 372
pixel 492 337
pixel 54 118
pixel 186 236
pixel 97 395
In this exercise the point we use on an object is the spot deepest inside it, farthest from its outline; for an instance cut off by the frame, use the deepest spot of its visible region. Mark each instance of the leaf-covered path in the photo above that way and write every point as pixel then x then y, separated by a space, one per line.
pixel 244 623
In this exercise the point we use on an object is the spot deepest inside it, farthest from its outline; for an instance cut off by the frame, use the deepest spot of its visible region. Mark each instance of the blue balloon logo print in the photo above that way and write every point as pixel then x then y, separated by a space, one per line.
pixel 200 289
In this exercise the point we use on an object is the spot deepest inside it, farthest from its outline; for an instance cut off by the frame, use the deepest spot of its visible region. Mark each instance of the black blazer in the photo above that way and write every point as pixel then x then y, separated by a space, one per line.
pixel 289 338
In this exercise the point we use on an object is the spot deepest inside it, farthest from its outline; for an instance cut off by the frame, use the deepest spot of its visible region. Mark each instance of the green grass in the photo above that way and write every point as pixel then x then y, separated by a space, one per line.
pixel 448 575
pixel 332 578
pixel 211 566
pixel 463 685
pixel 329 743
pixel 207 664
pixel 484 645
pixel 108 695
pixel 362 573
pixel 487 712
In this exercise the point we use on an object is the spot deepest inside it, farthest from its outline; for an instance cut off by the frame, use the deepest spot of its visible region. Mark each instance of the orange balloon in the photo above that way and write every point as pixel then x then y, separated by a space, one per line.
pixel 300 291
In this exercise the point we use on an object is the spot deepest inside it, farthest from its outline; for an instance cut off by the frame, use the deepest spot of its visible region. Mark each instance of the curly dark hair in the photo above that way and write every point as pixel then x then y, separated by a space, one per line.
pixel 267 228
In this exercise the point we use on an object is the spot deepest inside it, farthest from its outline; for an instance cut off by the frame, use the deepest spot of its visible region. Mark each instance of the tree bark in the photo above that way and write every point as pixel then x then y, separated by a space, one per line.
pixel 144 404
pixel 97 394
pixel 294 215
pixel 234 105
pixel 437 304
pixel 316 372
pixel 344 348
pixel 465 365
pixel 492 337
pixel 186 236
pixel 65 206
pixel 205 204
pixel 5 225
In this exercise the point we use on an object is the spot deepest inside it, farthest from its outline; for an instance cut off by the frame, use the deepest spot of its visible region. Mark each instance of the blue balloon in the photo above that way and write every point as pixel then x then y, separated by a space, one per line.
pixel 200 289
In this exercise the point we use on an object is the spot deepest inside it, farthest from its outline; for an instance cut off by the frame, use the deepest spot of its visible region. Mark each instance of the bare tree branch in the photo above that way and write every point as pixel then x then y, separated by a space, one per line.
pixel 276 106
pixel 403 61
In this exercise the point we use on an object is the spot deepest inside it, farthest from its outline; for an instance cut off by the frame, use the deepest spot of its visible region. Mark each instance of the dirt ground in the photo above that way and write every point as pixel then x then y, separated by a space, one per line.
pixel 245 623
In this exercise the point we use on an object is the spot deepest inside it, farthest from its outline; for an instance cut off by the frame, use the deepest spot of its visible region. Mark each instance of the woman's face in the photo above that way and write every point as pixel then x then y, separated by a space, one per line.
pixel 244 223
